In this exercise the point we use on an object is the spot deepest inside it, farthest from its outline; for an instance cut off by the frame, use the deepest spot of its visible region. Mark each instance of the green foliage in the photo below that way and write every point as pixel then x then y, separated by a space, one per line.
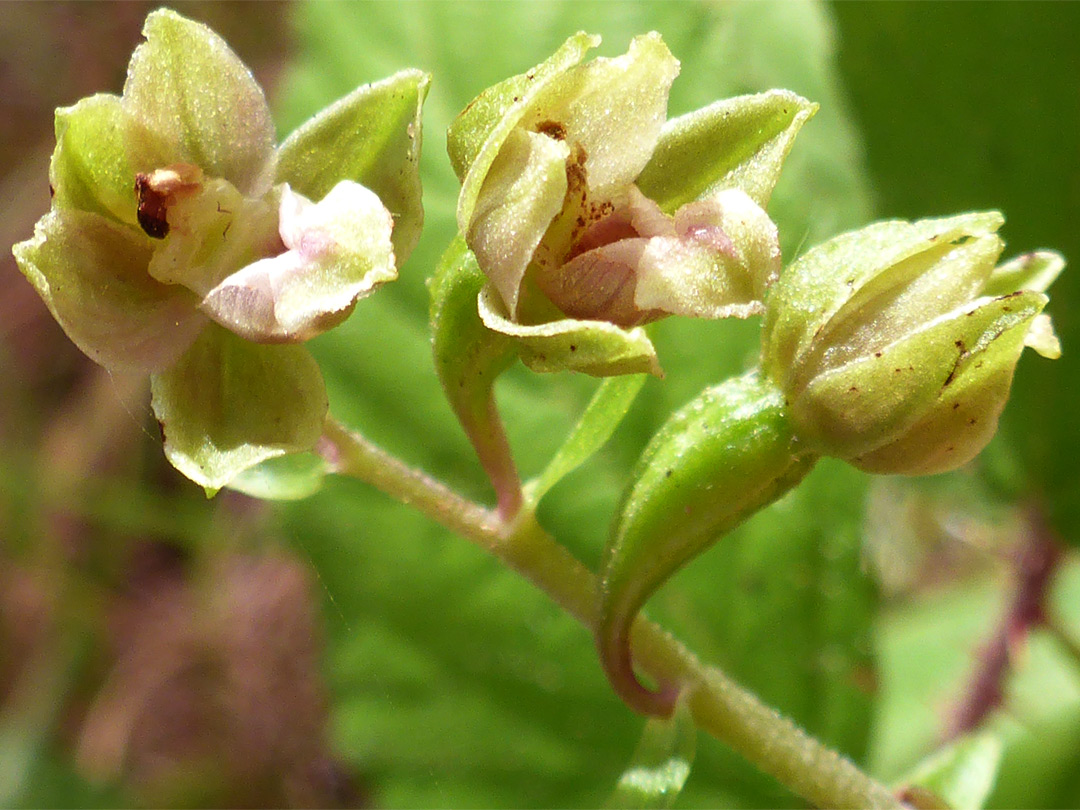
pixel 598 421
pixel 961 774
pixel 453 682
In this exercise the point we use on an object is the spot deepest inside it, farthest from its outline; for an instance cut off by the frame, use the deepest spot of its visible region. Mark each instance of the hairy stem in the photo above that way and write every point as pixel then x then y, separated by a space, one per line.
pixel 719 705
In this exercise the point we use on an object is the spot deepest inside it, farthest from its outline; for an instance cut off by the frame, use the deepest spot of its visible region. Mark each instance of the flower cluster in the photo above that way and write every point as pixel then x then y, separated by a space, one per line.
pixel 182 243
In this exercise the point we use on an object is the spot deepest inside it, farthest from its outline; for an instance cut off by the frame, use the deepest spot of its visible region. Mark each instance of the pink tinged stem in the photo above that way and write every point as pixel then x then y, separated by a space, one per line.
pixel 484 428
pixel 618 663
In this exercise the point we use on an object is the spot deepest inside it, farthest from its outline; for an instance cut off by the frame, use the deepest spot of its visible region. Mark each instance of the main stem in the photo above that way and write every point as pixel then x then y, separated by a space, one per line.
pixel 719 705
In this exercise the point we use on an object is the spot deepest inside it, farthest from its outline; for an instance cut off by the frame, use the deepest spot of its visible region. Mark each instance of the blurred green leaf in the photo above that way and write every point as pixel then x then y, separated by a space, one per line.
pixel 660 764
pixel 962 774
pixel 605 410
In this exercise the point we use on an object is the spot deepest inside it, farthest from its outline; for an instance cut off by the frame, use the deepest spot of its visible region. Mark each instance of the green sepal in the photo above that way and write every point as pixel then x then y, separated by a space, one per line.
pixel 479 130
pixel 660 764
pixel 194 101
pixel 469 358
pixel 476 136
pixel 602 416
pixel 725 455
pixel 598 348
pixel 961 775
pixel 91 273
pixel 734 143
pixel 291 477
pixel 89 170
pixel 1031 271
pixel 228 405
pixel 373 137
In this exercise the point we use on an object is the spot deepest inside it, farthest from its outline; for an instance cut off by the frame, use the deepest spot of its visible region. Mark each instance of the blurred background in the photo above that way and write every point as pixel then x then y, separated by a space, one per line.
pixel 160 649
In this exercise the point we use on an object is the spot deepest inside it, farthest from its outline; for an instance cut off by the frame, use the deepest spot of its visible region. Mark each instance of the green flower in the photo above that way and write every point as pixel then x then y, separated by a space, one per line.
pixel 182 243
pixel 895 345
pixel 590 214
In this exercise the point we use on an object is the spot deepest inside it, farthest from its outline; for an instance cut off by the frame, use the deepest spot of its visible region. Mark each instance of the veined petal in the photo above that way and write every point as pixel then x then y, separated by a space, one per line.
pixel 229 404
pixel 964 416
pixel 614 109
pixel 523 192
pixel 196 102
pixel 91 273
pixel 599 284
pixel 339 251
pixel 726 254
pixel 913 292
pixel 371 136
pixel 90 169
pixel 593 347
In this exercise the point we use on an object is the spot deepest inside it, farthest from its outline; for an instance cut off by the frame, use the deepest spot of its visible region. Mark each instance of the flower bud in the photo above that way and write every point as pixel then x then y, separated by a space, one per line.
pixel 895 345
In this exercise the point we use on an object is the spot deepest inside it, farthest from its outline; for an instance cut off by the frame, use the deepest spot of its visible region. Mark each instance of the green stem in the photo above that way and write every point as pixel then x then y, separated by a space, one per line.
pixel 720 706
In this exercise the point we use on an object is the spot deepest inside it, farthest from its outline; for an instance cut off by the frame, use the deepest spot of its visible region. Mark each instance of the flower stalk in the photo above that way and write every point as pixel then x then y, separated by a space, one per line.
pixel 719 705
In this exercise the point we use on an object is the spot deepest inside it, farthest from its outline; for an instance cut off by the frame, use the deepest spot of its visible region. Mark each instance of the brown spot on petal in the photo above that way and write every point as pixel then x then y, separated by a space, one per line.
pixel 553 129
pixel 152 208
pixel 156 191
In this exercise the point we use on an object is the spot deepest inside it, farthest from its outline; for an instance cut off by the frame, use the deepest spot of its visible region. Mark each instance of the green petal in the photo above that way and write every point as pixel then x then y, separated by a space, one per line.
pixel 339 251
pixel 735 143
pixel 812 290
pixel 196 102
pixel 1031 271
pixel 92 275
pixel 523 192
pixel 90 169
pixel 922 393
pixel 371 136
pixel 614 108
pixel 964 416
pixel 593 347
pixel 477 134
pixel 229 404
pixel 696 277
